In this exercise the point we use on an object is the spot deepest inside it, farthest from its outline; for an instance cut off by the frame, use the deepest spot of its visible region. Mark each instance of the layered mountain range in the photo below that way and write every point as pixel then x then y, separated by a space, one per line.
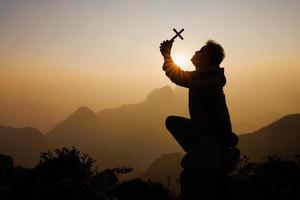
pixel 134 135
pixel 281 137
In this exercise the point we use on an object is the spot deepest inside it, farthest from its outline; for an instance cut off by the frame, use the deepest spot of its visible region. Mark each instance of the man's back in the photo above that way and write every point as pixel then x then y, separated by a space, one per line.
pixel 207 105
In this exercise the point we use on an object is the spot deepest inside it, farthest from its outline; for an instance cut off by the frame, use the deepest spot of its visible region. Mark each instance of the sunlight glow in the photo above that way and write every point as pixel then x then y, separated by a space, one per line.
pixel 181 60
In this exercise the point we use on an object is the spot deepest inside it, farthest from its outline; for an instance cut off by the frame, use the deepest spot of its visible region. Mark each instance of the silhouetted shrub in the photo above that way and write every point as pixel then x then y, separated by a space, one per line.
pixel 6 169
pixel 63 164
pixel 274 178
pixel 67 174
pixel 139 189
pixel 107 180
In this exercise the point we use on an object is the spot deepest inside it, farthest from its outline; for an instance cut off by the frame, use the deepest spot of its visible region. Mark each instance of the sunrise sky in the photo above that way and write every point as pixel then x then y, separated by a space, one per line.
pixel 58 55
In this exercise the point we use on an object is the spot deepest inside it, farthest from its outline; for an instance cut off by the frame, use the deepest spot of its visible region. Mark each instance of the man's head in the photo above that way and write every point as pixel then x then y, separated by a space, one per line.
pixel 210 55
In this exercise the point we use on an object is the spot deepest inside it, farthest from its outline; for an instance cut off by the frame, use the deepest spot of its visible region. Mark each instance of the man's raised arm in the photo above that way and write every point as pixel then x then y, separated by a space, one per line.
pixel 175 74
pixel 185 78
pixel 172 70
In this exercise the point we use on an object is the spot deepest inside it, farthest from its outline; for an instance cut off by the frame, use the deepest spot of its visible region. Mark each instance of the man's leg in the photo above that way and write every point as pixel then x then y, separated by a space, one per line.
pixel 182 130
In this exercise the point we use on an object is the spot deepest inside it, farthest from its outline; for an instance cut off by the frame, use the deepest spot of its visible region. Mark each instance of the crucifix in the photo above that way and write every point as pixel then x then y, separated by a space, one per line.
pixel 177 34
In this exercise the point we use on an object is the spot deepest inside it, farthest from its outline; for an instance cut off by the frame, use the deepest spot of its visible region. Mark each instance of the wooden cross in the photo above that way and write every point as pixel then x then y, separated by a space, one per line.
pixel 177 34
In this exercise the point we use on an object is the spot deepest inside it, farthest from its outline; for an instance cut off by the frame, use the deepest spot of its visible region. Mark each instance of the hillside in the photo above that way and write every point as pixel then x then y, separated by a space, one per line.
pixel 165 169
pixel 280 137
pixel 23 144
pixel 134 135
pixel 127 135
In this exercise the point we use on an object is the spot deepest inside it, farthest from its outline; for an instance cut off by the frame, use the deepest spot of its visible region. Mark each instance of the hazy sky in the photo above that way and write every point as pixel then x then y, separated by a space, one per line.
pixel 61 54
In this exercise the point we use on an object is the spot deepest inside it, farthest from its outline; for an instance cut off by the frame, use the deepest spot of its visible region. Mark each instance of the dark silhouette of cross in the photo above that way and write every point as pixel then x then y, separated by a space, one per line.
pixel 177 34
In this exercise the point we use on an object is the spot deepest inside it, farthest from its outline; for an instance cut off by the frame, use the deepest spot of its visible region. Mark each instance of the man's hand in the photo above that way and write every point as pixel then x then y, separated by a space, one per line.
pixel 165 48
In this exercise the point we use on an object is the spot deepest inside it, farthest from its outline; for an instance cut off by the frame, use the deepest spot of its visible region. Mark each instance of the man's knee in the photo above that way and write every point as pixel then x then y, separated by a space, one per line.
pixel 170 122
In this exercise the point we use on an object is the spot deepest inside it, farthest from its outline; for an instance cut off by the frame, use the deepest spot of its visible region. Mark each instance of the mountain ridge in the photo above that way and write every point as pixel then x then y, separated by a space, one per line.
pixel 23 144
pixel 256 146
pixel 135 133
pixel 272 138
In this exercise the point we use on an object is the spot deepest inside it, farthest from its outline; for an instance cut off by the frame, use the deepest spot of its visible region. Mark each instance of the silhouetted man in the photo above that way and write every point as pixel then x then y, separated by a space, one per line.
pixel 207 104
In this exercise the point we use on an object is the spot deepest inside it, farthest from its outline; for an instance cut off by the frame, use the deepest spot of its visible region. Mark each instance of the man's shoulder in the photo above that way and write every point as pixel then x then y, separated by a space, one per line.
pixel 208 73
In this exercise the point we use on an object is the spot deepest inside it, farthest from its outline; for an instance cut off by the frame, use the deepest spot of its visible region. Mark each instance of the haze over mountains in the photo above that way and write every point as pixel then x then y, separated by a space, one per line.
pixel 23 144
pixel 134 135
pixel 281 137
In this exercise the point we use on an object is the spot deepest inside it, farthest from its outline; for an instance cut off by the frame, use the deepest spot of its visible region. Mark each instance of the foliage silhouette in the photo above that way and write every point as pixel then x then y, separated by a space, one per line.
pixel 146 190
pixel 274 178
pixel 68 174
pixel 65 163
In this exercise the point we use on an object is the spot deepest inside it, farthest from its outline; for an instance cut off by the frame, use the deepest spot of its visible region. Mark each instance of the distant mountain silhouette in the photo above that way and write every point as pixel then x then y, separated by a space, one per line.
pixel 131 134
pixel 134 135
pixel 75 130
pixel 23 144
pixel 281 137
pixel 165 169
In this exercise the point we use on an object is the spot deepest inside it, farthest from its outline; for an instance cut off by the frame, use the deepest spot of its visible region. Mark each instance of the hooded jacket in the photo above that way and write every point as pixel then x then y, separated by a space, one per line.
pixel 207 103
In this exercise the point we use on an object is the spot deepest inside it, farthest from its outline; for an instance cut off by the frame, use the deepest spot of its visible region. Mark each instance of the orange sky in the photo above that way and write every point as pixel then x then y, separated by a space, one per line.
pixel 58 55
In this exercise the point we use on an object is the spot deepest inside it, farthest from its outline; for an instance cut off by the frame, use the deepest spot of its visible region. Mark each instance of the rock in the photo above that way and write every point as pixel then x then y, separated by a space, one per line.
pixel 206 168
pixel 210 156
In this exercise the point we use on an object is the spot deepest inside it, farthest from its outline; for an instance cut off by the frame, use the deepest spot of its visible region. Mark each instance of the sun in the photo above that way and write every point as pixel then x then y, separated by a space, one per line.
pixel 181 60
